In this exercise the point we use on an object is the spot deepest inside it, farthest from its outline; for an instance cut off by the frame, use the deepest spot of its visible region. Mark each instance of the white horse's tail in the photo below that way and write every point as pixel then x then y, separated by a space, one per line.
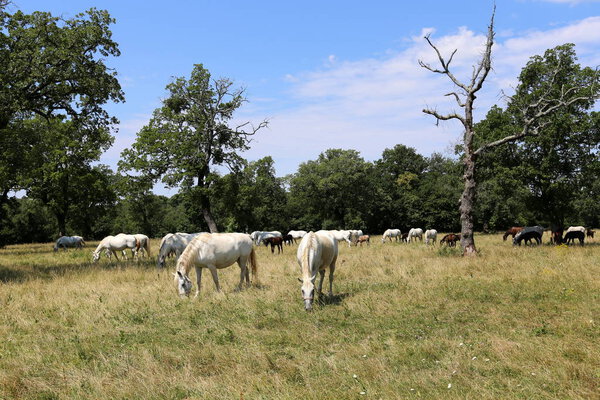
pixel 254 266
pixel 147 246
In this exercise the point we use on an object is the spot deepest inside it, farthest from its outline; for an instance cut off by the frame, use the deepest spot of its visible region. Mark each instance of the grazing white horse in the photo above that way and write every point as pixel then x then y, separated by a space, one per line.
pixel 391 233
pixel 144 243
pixel 259 236
pixel 173 244
pixel 112 244
pixel 215 251
pixel 316 252
pixel 576 229
pixel 297 234
pixel 430 235
pixel 69 241
pixel 415 233
pixel 355 234
pixel 340 235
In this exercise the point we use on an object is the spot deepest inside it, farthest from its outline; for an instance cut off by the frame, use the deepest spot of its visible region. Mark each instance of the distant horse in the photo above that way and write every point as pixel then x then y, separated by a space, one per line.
pixel 430 235
pixel 215 251
pixel 297 234
pixel 363 239
pixel 144 243
pixel 274 242
pixel 112 244
pixel 404 237
pixel 590 233
pixel 528 233
pixel 173 244
pixel 571 236
pixel 316 252
pixel 340 235
pixel 69 241
pixel 391 233
pixel 415 233
pixel 288 239
pixel 450 239
pixel 355 234
pixel 259 236
pixel 576 229
pixel 512 231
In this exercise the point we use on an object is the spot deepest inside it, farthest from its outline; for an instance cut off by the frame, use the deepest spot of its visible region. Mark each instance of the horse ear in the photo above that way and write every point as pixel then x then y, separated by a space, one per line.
pixel 180 274
pixel 300 280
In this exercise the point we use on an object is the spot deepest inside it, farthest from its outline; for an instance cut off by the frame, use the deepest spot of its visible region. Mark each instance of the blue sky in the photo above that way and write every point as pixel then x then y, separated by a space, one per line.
pixel 328 73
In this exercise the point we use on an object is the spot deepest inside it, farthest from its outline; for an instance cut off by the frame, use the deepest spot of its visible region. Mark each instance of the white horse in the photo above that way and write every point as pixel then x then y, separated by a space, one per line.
pixel 173 244
pixel 259 236
pixel 316 252
pixel 297 234
pixel 215 251
pixel 415 233
pixel 69 241
pixel 144 243
pixel 391 233
pixel 576 229
pixel 340 235
pixel 430 235
pixel 112 244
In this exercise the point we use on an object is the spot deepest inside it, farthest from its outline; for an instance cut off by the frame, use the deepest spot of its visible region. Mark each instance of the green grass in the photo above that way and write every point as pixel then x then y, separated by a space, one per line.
pixel 406 320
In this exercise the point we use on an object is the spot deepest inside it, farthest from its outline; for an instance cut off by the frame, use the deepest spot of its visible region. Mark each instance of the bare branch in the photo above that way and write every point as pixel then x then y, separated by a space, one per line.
pixel 445 66
pixel 485 65
pixel 456 97
pixel 446 117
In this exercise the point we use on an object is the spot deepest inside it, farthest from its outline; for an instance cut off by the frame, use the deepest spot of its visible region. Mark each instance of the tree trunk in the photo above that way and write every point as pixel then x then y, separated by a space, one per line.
pixel 210 221
pixel 61 219
pixel 467 201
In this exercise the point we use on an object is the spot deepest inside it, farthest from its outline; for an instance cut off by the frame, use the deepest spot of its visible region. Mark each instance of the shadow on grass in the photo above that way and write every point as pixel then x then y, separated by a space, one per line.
pixel 336 299
pixel 23 273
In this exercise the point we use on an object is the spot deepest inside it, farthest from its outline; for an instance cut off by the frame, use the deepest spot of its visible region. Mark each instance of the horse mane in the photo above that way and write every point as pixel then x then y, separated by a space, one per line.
pixel 312 244
pixel 186 258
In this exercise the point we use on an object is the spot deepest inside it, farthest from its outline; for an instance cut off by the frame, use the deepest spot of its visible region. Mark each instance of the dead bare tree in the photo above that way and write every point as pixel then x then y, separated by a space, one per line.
pixel 533 122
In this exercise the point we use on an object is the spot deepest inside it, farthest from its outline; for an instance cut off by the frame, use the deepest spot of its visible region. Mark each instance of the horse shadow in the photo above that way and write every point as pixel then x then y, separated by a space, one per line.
pixel 334 300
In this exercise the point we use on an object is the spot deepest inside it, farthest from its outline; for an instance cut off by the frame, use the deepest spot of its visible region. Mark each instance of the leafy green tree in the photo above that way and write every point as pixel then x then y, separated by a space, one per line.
pixel 189 135
pixel 333 192
pixel 60 165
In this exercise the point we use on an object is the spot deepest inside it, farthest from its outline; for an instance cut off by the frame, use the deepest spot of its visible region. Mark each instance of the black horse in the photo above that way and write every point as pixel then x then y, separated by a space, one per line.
pixel 571 236
pixel 274 241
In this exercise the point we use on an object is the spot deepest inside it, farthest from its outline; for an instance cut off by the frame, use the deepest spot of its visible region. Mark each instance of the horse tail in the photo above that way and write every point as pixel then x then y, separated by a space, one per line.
pixel 254 266
pixel 147 246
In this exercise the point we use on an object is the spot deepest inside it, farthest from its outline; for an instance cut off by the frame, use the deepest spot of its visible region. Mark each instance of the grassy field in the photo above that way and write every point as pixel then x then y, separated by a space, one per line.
pixel 406 322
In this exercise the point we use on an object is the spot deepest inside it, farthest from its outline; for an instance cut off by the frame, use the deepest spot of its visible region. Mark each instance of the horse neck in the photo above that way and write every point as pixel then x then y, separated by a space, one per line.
pixel 185 262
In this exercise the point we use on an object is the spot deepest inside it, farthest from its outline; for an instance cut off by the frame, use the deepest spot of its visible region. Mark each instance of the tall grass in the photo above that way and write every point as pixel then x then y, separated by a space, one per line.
pixel 406 321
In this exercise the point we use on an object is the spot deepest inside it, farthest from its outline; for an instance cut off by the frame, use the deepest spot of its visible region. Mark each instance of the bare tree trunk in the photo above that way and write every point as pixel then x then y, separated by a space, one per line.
pixel 467 202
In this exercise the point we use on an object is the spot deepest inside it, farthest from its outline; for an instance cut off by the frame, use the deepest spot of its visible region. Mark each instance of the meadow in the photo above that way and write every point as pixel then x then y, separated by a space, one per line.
pixel 406 321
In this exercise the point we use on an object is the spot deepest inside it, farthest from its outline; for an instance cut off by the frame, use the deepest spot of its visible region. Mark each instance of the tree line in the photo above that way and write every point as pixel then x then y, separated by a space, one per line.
pixel 53 130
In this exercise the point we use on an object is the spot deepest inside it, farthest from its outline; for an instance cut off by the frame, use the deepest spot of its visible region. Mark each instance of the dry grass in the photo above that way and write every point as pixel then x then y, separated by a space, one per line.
pixel 407 321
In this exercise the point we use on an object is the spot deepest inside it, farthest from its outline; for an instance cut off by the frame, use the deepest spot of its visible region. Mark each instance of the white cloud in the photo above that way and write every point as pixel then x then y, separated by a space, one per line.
pixel 375 103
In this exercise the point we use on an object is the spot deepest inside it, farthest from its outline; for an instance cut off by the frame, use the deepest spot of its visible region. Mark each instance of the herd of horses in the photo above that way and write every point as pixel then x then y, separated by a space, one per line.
pixel 557 235
pixel 316 253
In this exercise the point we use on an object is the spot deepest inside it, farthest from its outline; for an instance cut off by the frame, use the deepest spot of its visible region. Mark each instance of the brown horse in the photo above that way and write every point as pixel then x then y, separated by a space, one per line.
pixel 590 233
pixel 274 241
pixel 450 239
pixel 363 239
pixel 512 231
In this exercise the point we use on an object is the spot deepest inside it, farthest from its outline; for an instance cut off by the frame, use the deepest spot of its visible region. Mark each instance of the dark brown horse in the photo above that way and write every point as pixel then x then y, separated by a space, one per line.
pixel 274 241
pixel 590 233
pixel 450 239
pixel 556 236
pixel 288 239
pixel 404 237
pixel 512 231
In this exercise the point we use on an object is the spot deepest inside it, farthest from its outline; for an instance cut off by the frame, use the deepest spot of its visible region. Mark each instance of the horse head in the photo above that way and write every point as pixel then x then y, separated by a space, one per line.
pixel 95 256
pixel 184 284
pixel 308 292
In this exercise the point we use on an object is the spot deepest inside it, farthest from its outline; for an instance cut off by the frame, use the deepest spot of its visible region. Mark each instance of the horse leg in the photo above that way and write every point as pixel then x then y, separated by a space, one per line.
pixel 198 280
pixel 331 271
pixel 322 274
pixel 213 271
pixel 243 263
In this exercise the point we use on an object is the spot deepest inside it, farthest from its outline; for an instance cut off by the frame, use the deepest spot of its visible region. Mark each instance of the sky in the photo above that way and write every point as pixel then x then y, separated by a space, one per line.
pixel 329 74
